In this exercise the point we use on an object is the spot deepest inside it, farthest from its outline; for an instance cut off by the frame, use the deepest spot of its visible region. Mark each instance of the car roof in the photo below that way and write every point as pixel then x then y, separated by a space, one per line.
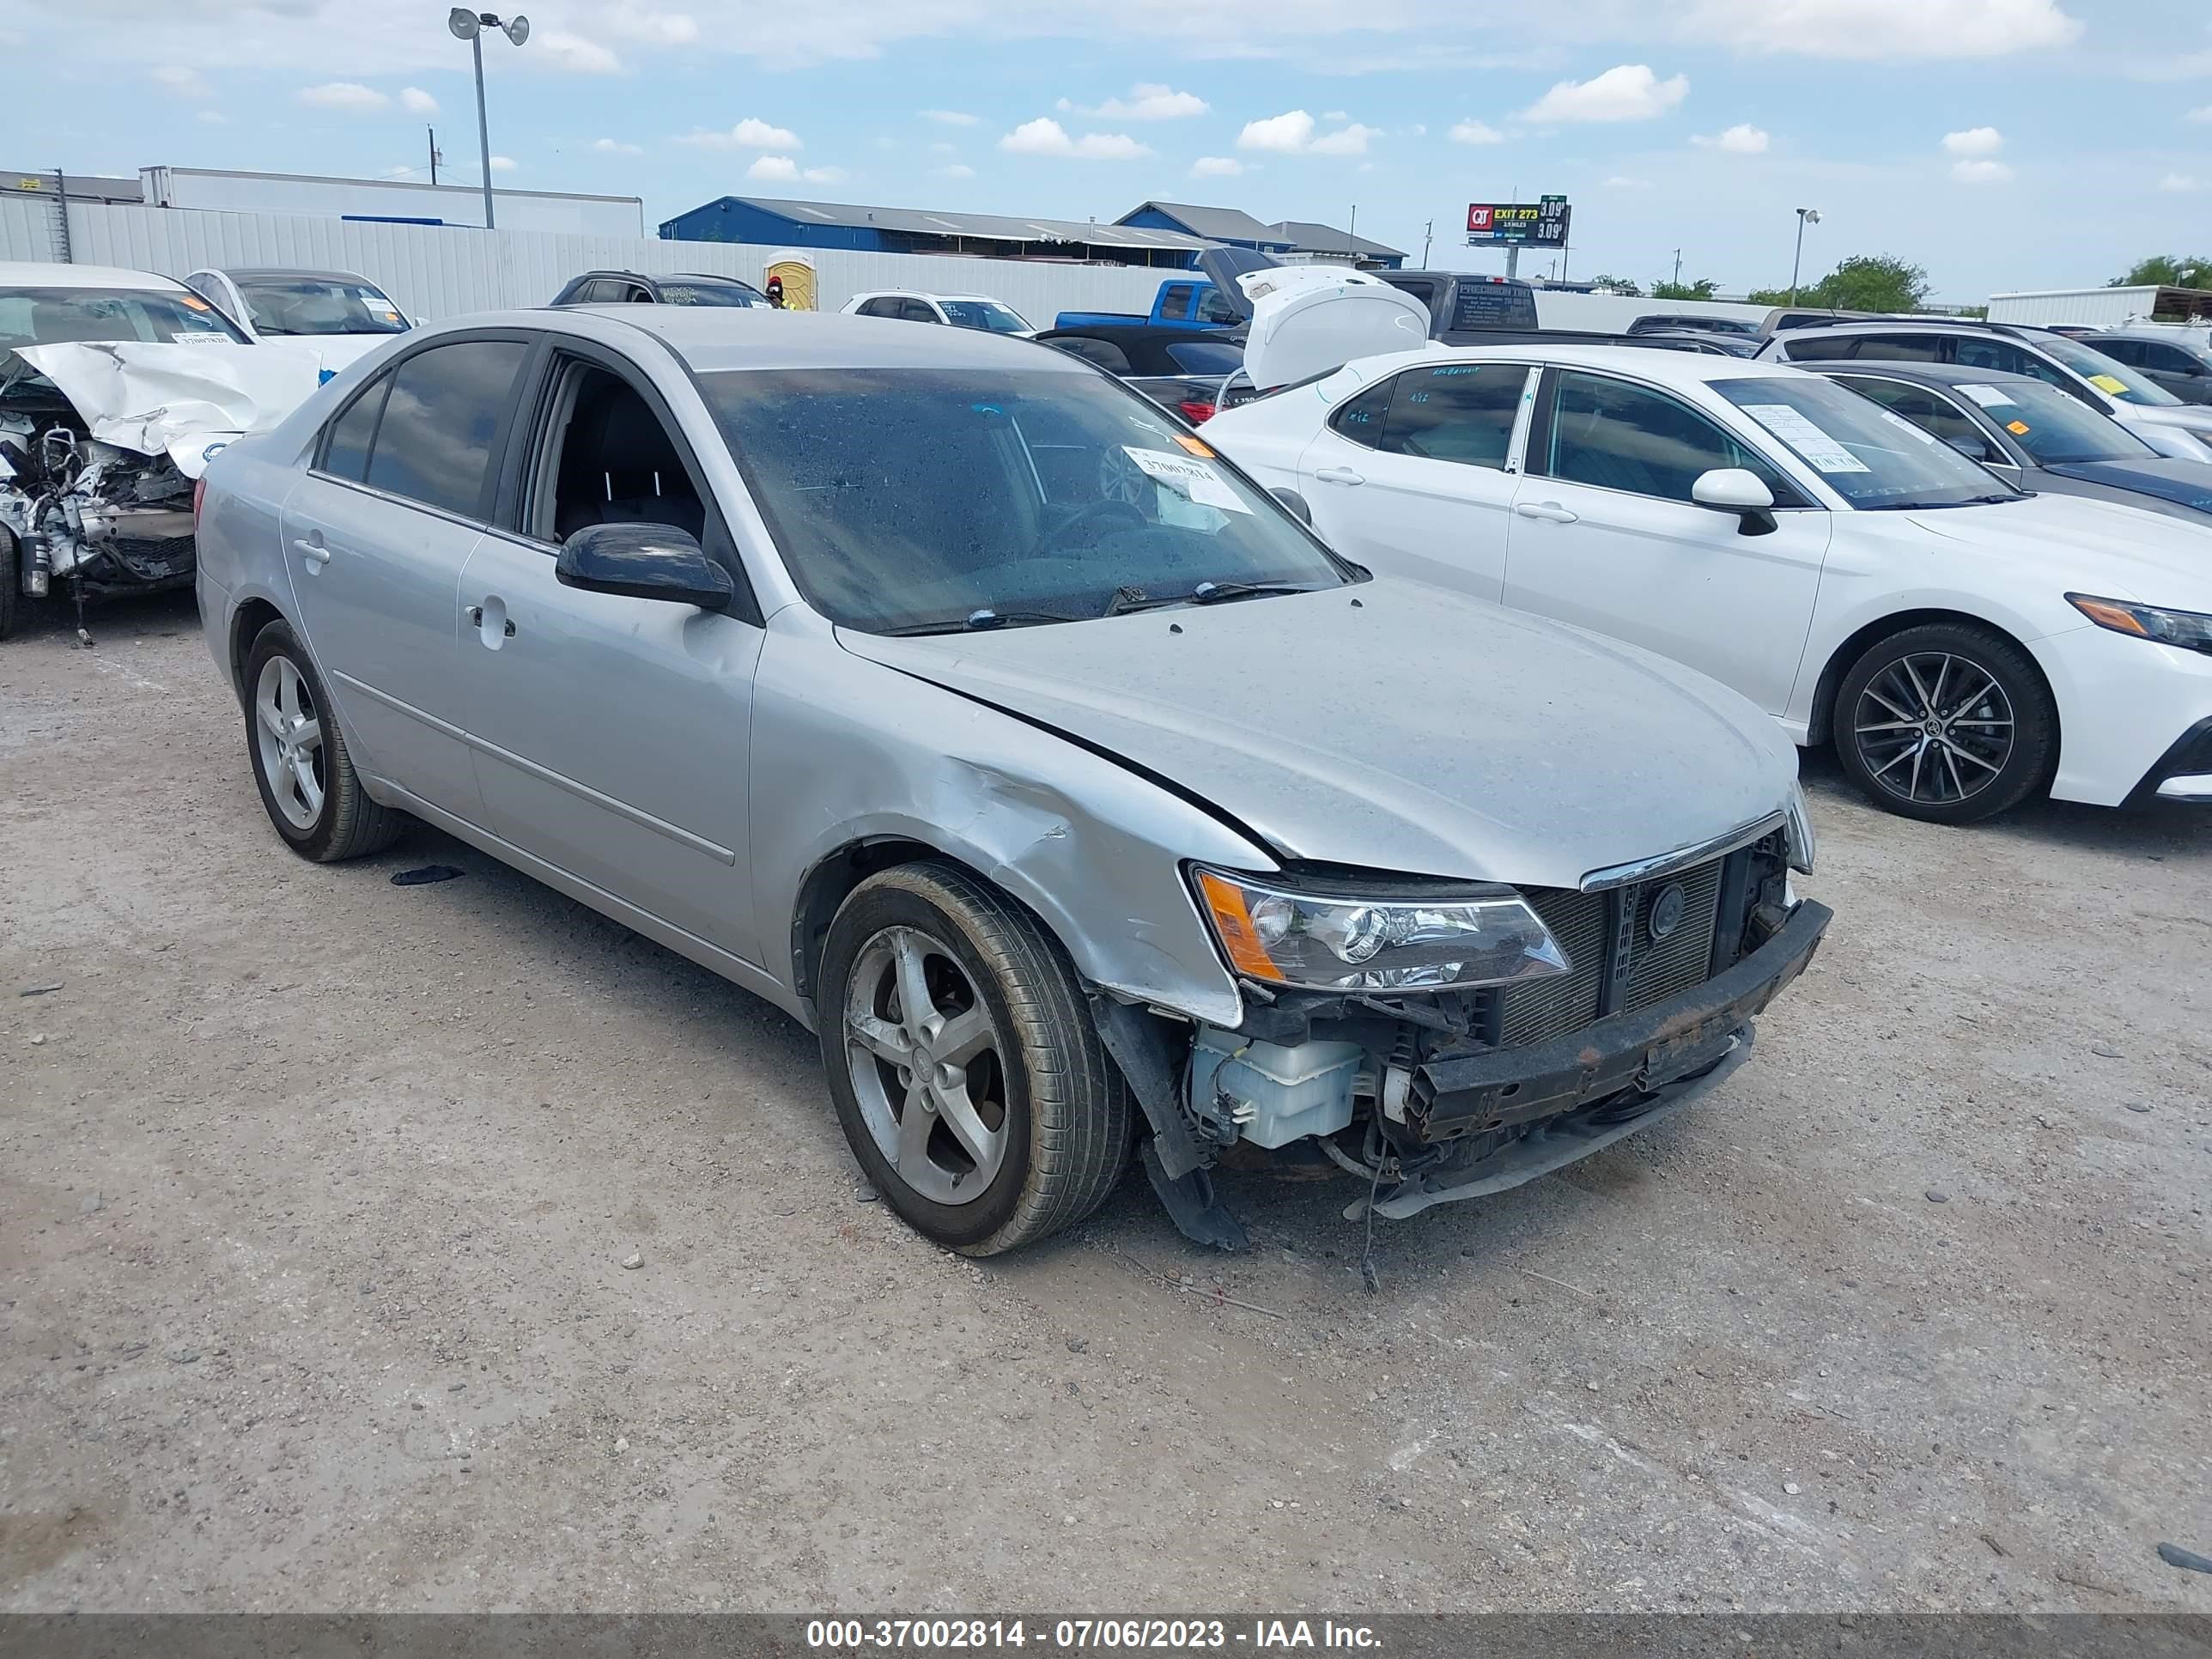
pixel 1932 373
pixel 1677 367
pixel 33 274
pixel 921 294
pixel 1141 333
pixel 285 274
pixel 714 337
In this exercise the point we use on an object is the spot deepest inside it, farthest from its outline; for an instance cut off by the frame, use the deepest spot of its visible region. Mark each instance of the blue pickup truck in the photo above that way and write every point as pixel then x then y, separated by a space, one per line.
pixel 1182 302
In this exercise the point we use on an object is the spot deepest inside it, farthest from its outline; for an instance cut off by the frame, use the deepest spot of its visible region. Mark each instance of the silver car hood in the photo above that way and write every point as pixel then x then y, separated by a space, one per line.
pixel 1390 727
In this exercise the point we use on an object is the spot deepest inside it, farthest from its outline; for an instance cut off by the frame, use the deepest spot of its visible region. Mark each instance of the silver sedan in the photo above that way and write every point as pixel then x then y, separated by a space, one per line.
pixel 968 706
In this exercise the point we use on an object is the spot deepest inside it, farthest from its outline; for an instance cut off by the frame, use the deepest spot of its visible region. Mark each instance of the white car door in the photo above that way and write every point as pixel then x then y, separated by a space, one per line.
pixel 1410 476
pixel 1606 537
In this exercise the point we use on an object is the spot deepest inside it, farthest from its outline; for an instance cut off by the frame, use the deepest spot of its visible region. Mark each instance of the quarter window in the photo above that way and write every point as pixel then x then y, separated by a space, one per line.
pixel 1614 435
pixel 441 423
pixel 345 451
pixel 1361 418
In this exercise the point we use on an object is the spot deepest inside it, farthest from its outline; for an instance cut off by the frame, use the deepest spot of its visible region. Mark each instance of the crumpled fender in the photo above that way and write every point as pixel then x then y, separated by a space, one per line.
pixel 177 400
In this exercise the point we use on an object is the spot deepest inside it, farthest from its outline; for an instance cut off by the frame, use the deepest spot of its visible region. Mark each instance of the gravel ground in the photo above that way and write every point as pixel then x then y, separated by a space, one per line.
pixel 315 1193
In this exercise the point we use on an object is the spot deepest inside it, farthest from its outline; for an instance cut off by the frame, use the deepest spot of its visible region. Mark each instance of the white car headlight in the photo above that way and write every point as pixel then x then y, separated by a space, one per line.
pixel 1350 942
pixel 1803 844
pixel 2189 629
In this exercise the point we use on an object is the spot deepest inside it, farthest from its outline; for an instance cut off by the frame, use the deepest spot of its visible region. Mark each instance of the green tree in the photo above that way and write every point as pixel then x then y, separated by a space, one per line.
pixel 1618 285
pixel 1703 288
pixel 2167 270
pixel 1865 281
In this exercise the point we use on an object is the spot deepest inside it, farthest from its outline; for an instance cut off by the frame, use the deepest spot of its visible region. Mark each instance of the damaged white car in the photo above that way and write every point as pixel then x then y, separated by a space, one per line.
pixel 115 387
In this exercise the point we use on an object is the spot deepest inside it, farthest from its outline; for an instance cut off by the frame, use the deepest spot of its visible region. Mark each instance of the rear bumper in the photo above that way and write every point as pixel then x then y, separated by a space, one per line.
pixel 1645 1051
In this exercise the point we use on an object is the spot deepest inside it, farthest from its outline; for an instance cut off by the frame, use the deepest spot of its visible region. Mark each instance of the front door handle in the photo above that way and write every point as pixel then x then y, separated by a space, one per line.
pixel 1338 474
pixel 1550 512
pixel 312 551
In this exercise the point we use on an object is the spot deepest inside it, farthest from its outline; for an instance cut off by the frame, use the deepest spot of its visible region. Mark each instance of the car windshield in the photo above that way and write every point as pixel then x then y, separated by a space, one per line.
pixel 2108 375
pixel 317 305
pixel 690 291
pixel 986 315
pixel 55 316
pixel 914 499
pixel 2053 428
pixel 1873 458
pixel 1206 356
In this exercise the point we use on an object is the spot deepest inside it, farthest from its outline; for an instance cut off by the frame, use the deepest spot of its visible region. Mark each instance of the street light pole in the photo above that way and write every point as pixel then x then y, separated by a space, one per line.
pixel 470 26
pixel 1805 217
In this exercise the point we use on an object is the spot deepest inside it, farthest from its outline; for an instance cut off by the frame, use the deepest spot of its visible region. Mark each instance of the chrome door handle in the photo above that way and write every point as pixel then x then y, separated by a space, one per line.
pixel 1550 512
pixel 1338 474
pixel 312 552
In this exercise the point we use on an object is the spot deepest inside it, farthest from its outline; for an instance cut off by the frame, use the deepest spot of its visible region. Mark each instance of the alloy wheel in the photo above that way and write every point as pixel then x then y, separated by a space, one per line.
pixel 290 730
pixel 1934 728
pixel 928 1065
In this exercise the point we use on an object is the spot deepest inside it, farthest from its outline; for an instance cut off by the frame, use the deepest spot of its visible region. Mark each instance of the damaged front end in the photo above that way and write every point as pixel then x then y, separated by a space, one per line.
pixel 101 445
pixel 1601 1010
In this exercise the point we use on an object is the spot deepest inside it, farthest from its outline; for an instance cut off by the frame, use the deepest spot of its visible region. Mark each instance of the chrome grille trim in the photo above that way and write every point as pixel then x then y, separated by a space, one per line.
pixel 1682 858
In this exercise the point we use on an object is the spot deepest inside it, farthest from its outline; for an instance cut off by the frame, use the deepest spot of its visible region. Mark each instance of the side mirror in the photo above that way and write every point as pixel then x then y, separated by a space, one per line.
pixel 1738 490
pixel 644 562
pixel 1294 505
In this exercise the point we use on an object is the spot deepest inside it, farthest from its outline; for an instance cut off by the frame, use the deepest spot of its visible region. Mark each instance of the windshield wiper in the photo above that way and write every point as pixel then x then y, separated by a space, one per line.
pixel 981 622
pixel 1127 599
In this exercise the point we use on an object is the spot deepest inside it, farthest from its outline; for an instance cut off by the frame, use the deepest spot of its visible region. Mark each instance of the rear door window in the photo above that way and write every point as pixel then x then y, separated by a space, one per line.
pixel 1174 302
pixel 1460 412
pixel 443 419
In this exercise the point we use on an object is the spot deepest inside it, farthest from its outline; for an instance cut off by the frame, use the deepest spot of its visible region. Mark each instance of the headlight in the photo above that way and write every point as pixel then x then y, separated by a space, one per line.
pixel 1803 844
pixel 2189 629
pixel 1329 942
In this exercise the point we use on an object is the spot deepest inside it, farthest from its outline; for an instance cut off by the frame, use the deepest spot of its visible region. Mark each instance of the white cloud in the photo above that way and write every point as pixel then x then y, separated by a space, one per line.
pixel 183 80
pixel 1974 141
pixel 343 94
pixel 654 28
pixel 1293 133
pixel 1216 167
pixel 1476 132
pixel 773 169
pixel 1345 141
pixel 1981 172
pixel 1334 115
pixel 951 118
pixel 2178 182
pixel 615 147
pixel 958 170
pixel 1743 139
pixel 2203 114
pixel 751 133
pixel 504 164
pixel 1883 29
pixel 1626 92
pixel 1147 101
pixel 416 102
pixel 823 175
pixel 1046 136
pixel 1289 133
pixel 1621 181
pixel 576 53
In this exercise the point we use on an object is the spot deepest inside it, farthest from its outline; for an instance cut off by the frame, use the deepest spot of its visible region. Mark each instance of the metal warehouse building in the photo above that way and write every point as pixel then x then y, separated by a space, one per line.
pixel 765 220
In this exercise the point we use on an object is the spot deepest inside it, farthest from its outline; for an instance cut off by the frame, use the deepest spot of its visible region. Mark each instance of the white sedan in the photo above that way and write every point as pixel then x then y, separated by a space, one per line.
pixel 1964 644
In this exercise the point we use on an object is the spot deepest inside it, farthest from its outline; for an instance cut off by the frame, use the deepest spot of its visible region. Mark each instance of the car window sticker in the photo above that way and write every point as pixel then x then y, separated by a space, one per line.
pixel 1822 451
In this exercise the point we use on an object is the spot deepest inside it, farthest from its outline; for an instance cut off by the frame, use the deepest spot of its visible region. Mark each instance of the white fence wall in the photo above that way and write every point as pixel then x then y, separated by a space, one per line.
pixel 2092 308
pixel 436 272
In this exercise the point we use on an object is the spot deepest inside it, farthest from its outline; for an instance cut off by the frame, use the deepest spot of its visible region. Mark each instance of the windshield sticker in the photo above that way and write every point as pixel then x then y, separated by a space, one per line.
pixel 2112 383
pixel 1821 451
pixel 200 337
pixel 1191 478
pixel 2018 428
pixel 192 302
pixel 1904 425
pixel 1196 447
pixel 1988 396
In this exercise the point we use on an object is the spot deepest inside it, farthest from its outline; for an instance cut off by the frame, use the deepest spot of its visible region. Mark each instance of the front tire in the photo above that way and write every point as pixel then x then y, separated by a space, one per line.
pixel 11 579
pixel 992 1117
pixel 1947 723
pixel 313 794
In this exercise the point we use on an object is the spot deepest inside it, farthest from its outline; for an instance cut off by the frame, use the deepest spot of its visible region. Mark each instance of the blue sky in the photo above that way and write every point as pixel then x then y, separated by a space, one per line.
pixel 2002 143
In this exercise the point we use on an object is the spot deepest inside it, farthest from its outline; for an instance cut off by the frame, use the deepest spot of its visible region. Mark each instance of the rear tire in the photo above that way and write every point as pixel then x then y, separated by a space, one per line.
pixel 305 775
pixel 11 579
pixel 1946 722
pixel 995 1119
